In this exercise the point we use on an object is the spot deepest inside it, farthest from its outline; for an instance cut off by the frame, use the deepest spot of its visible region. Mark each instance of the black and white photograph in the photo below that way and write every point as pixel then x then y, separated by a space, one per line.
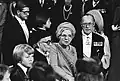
pixel 59 40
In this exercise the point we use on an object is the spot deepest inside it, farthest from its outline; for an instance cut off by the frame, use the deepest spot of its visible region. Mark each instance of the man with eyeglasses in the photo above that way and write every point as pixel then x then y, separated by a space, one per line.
pixel 15 31
pixel 91 50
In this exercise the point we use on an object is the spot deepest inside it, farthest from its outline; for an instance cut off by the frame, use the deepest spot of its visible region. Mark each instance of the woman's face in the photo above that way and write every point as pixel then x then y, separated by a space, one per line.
pixel 66 37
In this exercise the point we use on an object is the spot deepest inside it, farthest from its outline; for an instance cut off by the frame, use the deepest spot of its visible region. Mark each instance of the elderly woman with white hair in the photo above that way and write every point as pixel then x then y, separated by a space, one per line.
pixel 63 56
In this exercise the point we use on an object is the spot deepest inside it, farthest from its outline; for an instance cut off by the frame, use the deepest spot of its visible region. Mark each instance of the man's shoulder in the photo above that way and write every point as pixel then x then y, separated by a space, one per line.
pixel 12 21
pixel 98 37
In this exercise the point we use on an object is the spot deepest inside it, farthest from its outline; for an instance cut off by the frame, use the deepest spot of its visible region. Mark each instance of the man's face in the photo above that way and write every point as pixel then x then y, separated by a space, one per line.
pixel 27 60
pixel 24 13
pixel 66 37
pixel 87 24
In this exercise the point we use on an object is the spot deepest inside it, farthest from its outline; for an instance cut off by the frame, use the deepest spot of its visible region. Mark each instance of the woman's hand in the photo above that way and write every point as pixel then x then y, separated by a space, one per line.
pixel 69 78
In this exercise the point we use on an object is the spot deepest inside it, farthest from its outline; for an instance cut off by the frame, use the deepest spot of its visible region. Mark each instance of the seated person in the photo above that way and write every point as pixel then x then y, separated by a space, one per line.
pixel 23 55
pixel 63 55
pixel 4 73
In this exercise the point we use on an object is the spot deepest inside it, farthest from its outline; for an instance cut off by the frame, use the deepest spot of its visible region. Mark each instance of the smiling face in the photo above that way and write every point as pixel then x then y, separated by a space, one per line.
pixel 27 59
pixel 24 13
pixel 66 37
pixel 87 24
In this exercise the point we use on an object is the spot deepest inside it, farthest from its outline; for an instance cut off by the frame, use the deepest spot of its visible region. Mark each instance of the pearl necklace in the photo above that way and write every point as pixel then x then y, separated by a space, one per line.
pixel 68 11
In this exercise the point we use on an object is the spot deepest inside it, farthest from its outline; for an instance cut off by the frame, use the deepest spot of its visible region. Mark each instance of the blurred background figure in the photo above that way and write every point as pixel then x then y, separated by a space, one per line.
pixel 4 73
pixel 41 37
pixel 42 7
pixel 63 55
pixel 115 46
pixel 3 14
pixel 41 71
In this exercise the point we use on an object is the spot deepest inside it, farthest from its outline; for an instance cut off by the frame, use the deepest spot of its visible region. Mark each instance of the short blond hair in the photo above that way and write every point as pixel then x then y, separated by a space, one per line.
pixel 65 26
pixel 20 49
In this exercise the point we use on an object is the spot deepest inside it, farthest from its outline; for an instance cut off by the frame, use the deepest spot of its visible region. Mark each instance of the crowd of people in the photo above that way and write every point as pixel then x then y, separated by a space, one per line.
pixel 59 40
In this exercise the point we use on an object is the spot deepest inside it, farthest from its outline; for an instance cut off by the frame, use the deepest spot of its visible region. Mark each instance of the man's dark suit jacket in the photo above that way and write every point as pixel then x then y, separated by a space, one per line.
pixel 97 51
pixel 17 74
pixel 13 35
pixel 97 48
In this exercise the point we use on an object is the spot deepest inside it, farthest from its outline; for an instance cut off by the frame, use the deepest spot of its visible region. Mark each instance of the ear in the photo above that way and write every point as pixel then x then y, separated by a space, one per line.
pixel 18 12
pixel 94 24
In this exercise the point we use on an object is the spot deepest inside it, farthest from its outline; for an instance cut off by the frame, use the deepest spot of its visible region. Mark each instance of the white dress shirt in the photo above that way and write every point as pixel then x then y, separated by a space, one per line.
pixel 24 27
pixel 86 46
pixel 23 68
pixel 95 3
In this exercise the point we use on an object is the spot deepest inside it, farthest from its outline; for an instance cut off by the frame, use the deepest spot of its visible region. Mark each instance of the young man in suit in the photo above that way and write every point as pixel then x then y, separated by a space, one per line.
pixel 15 31
pixel 91 49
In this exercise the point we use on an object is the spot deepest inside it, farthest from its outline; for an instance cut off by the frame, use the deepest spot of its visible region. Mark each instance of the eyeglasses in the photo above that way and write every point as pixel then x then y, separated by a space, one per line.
pixel 25 12
pixel 87 24
pixel 64 35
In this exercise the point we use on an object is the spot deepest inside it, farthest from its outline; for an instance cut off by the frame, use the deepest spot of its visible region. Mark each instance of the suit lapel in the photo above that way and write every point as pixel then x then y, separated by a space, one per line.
pixel 20 30
pixel 92 46
pixel 81 47
pixel 21 74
